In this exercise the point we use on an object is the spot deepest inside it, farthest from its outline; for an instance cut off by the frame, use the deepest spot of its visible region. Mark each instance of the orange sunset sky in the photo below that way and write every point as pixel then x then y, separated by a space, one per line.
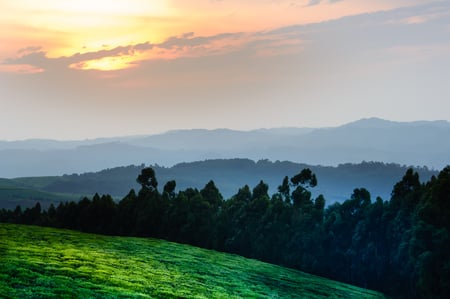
pixel 86 69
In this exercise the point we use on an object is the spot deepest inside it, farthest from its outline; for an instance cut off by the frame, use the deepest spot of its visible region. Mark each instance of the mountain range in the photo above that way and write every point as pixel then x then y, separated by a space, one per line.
pixel 421 143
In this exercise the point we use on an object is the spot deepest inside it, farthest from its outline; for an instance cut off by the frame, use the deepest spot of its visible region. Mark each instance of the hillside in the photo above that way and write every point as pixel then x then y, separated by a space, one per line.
pixel 51 263
pixel 424 143
pixel 335 183
pixel 14 193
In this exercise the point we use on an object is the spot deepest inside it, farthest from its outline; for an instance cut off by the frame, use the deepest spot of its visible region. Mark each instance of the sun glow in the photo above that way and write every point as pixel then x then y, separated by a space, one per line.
pixel 98 7
pixel 69 28
pixel 106 63
pixel 83 26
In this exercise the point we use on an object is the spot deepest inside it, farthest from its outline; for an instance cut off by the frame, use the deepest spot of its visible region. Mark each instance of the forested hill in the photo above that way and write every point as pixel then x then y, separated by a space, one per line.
pixel 400 246
pixel 335 183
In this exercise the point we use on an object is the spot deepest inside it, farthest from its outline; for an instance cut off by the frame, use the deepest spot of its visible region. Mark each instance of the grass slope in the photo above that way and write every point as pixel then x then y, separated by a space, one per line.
pixel 41 262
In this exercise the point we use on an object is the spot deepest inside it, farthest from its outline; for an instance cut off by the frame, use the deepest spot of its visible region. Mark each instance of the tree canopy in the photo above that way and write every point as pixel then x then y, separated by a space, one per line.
pixel 400 246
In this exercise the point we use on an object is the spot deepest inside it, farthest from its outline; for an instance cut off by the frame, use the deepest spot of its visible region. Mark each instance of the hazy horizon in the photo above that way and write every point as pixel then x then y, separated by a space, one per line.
pixel 217 129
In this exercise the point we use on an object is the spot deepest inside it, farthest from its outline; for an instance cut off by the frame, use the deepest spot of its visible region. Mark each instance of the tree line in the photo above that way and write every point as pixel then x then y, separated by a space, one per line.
pixel 400 247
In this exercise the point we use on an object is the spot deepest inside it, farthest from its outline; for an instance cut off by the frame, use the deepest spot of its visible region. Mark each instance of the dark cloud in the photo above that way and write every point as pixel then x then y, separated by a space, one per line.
pixel 29 49
pixel 40 59
pixel 117 51
pixel 316 2
pixel 189 40
pixel 36 57
pixel 313 2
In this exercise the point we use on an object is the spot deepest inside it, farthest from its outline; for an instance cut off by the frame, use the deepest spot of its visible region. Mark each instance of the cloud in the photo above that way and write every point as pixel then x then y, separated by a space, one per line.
pixel 313 2
pixel 29 50
pixel 117 51
pixel 36 57
pixel 316 2
pixel 190 40
pixel 186 44
pixel 355 35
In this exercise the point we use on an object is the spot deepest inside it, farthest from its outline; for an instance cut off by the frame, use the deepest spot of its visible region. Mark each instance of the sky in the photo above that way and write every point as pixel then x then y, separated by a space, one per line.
pixel 95 68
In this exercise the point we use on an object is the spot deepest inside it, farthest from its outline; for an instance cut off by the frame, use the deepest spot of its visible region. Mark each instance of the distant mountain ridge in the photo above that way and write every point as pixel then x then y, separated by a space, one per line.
pixel 375 122
pixel 420 143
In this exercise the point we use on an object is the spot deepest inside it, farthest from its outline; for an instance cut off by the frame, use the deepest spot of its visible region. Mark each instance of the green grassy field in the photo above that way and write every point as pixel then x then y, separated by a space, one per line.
pixel 38 262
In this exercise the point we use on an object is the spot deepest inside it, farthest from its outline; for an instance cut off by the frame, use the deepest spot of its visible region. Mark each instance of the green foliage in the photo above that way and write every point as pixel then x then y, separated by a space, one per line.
pixel 285 190
pixel 169 188
pixel 51 263
pixel 306 176
pixel 147 179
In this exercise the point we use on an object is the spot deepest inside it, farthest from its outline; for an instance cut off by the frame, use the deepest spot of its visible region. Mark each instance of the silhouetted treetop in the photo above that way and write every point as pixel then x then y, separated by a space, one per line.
pixel 147 179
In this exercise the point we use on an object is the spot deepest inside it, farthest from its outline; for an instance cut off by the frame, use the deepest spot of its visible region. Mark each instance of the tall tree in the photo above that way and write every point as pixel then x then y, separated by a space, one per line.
pixel 147 179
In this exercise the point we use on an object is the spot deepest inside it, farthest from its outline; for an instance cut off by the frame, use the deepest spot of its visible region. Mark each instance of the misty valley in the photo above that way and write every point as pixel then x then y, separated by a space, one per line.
pixel 360 230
